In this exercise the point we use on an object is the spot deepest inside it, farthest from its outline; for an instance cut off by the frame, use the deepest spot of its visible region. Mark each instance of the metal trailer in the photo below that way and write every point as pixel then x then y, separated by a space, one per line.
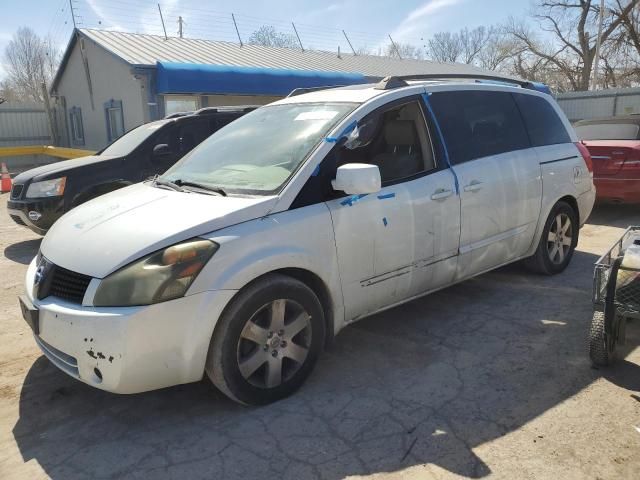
pixel 616 299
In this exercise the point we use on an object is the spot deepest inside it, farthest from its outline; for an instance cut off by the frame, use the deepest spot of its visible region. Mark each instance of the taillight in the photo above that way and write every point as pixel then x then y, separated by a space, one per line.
pixel 586 156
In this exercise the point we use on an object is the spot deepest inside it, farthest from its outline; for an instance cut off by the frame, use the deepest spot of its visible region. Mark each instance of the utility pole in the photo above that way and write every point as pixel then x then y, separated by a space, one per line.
pixel 162 20
pixel 233 17
pixel 396 47
pixel 180 22
pixel 594 84
pixel 296 30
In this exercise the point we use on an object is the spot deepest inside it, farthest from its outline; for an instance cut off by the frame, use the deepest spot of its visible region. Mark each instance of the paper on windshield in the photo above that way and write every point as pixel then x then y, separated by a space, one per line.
pixel 317 115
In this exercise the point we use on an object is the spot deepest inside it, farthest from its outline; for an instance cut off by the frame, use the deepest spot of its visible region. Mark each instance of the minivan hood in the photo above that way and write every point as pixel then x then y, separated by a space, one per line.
pixel 106 233
pixel 52 170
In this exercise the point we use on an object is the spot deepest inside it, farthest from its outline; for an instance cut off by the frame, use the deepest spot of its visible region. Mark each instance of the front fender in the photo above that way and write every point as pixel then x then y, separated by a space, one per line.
pixel 301 239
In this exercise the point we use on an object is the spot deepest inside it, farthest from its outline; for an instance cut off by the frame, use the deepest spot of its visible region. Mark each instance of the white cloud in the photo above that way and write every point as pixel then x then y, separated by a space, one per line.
pixel 417 20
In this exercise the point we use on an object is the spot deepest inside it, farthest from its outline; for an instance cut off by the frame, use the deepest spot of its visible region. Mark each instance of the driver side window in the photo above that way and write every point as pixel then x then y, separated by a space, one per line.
pixel 396 140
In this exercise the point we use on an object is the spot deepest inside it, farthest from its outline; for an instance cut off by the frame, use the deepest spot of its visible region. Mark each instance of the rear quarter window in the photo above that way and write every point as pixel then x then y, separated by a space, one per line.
pixel 478 124
pixel 543 123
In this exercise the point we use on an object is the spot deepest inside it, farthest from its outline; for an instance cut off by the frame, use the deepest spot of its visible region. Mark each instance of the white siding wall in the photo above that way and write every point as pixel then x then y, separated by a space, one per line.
pixel 111 79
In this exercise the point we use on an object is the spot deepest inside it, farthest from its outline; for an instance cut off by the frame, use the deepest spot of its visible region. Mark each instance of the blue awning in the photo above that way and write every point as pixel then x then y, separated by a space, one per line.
pixel 224 79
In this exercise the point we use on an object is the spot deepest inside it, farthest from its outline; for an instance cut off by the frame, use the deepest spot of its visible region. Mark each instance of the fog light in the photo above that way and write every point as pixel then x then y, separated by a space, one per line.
pixel 34 216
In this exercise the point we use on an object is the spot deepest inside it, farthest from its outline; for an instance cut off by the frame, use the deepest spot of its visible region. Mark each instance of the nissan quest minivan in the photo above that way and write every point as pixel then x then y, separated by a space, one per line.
pixel 246 257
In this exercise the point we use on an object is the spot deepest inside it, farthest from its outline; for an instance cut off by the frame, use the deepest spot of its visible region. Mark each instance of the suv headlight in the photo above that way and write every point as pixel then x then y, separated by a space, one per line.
pixel 47 188
pixel 158 277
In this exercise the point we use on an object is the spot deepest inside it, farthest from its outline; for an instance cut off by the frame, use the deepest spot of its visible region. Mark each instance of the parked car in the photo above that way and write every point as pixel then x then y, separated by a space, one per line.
pixel 42 195
pixel 614 143
pixel 246 257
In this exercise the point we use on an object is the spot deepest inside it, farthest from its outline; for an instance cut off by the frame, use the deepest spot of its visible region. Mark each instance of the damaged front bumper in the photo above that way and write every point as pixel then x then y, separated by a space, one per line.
pixel 129 349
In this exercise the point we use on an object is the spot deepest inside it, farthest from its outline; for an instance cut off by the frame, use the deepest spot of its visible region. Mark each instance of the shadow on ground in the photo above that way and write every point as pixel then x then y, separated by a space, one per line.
pixel 422 383
pixel 23 252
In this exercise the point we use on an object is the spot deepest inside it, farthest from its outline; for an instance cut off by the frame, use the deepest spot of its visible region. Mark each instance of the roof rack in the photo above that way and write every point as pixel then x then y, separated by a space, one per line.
pixel 299 91
pixel 397 81
pixel 223 109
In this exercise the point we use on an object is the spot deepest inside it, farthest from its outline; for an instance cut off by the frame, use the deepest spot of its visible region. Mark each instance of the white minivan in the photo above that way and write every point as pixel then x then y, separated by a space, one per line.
pixel 252 252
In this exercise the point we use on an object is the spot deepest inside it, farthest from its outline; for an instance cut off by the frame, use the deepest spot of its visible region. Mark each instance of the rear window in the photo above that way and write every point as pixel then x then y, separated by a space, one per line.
pixel 608 131
pixel 477 124
pixel 543 123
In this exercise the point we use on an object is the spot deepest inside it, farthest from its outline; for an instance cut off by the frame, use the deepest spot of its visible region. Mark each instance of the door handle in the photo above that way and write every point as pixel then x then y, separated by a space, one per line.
pixel 474 186
pixel 441 193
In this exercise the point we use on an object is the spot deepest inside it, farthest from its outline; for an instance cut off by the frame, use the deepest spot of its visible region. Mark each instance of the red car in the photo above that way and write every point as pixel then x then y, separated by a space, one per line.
pixel 614 144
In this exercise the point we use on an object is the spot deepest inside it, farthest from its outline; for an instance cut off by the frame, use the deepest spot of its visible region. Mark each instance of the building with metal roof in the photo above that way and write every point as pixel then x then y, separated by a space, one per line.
pixel 109 82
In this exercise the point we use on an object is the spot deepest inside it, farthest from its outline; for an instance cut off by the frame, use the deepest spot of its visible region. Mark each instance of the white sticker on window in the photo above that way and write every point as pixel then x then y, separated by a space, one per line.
pixel 317 115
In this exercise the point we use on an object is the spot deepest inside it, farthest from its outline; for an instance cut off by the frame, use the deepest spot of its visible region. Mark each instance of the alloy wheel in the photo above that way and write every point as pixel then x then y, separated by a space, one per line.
pixel 560 238
pixel 274 343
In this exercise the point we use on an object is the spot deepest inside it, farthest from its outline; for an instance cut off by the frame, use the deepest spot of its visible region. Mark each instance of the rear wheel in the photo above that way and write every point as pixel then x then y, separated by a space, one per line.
pixel 558 241
pixel 267 341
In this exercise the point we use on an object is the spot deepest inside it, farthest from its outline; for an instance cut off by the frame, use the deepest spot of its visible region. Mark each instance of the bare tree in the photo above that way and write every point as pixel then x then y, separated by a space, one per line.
pixel 444 47
pixel 403 50
pixel 572 25
pixel 268 36
pixel 30 61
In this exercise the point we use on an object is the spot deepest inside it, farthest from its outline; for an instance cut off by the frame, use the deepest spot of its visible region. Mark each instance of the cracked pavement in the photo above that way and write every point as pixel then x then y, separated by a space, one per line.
pixel 489 378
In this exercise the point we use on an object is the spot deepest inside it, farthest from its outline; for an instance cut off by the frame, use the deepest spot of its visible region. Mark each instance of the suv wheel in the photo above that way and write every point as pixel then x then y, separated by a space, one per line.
pixel 558 241
pixel 267 341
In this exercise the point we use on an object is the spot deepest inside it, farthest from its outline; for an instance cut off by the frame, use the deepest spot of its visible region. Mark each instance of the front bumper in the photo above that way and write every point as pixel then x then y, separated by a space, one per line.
pixel 129 349
pixel 50 210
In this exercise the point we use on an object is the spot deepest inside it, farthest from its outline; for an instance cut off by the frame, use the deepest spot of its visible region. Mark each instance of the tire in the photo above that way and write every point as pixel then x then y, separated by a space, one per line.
pixel 599 352
pixel 274 324
pixel 555 251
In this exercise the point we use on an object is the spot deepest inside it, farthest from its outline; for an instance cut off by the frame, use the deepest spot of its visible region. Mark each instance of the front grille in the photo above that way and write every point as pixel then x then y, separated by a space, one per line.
pixel 16 191
pixel 68 285
pixel 60 359
pixel 18 220
pixel 53 280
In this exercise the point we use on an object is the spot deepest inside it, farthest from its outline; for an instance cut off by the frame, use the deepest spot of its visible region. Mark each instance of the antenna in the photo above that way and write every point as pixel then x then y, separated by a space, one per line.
pixel 180 23
pixel 296 30
pixel 396 47
pixel 349 42
pixel 233 17
pixel 162 20
pixel 73 13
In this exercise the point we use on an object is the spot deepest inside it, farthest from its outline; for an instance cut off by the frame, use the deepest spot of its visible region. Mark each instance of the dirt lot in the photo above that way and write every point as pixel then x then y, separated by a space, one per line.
pixel 487 378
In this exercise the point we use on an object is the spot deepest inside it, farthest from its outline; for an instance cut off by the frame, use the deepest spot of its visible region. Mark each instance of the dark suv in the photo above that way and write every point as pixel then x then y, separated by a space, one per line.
pixel 42 195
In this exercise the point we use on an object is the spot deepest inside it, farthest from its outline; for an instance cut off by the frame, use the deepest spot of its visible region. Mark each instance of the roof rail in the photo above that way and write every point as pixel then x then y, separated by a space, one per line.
pixel 177 115
pixel 391 82
pixel 300 91
pixel 223 109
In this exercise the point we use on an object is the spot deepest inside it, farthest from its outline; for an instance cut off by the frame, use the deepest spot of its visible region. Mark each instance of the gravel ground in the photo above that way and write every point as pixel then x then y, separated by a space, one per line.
pixel 489 378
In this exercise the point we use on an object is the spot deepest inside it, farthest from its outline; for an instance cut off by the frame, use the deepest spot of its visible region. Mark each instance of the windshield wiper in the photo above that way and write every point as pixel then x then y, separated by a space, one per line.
pixel 209 188
pixel 167 183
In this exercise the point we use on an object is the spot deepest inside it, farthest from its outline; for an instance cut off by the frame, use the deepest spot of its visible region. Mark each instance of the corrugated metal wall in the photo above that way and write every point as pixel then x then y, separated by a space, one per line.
pixel 600 103
pixel 23 124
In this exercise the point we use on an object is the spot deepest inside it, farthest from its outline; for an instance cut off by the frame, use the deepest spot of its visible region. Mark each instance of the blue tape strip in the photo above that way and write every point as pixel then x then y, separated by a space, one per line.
pixel 352 199
pixel 425 97
pixel 386 195
pixel 316 171
pixel 348 129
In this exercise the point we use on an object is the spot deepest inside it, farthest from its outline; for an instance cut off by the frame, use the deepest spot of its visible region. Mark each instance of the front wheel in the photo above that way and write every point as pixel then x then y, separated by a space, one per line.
pixel 267 341
pixel 557 242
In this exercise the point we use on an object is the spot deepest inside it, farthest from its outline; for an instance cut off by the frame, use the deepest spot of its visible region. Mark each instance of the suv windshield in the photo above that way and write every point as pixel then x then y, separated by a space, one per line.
pixel 608 131
pixel 130 140
pixel 257 153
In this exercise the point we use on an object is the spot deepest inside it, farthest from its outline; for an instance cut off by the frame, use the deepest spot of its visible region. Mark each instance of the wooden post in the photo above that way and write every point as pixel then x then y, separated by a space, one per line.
pixel 52 122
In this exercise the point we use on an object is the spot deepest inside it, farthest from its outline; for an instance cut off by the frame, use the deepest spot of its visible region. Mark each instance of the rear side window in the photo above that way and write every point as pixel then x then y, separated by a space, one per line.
pixel 543 123
pixel 477 124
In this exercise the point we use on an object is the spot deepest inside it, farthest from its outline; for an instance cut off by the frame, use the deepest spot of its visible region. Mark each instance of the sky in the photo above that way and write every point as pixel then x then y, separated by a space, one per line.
pixel 319 23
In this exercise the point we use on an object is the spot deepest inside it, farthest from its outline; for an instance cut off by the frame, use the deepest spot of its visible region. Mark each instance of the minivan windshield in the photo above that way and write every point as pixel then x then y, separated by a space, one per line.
pixel 130 140
pixel 257 153
pixel 608 131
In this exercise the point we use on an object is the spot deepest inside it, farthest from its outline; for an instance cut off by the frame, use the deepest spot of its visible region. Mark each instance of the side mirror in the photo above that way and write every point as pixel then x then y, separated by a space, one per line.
pixel 161 150
pixel 357 179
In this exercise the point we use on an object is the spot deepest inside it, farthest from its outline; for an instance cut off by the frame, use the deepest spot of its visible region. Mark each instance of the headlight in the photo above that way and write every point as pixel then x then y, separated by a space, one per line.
pixel 47 188
pixel 161 276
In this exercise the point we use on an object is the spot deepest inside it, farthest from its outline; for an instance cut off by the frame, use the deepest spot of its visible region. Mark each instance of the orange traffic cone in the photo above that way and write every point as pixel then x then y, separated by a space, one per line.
pixel 5 183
